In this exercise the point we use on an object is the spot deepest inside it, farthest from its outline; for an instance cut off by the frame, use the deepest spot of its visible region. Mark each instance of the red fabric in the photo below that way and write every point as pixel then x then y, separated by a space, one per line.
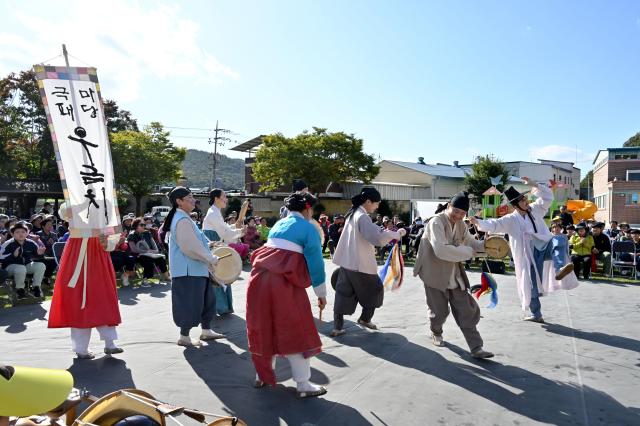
pixel 279 318
pixel 102 298
pixel 594 265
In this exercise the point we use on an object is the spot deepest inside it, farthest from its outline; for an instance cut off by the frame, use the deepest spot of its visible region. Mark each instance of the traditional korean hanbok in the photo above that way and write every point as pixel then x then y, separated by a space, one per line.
pixel 279 317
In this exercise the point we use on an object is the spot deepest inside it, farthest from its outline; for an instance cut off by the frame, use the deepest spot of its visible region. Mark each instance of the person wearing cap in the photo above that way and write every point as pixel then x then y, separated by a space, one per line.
pixel 532 245
pixel 299 187
pixel 127 220
pixel 613 231
pixel 279 317
pixel 324 225
pixel 193 299
pixel 581 246
pixel 602 247
pixel 36 221
pixel 565 216
pixel 624 234
pixel 85 295
pixel 18 257
pixel 446 242
pixel 358 281
pixel 215 229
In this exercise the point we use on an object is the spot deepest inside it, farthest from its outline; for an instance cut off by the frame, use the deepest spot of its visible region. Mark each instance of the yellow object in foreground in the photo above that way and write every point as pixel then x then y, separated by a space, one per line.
pixel 582 210
pixel 33 391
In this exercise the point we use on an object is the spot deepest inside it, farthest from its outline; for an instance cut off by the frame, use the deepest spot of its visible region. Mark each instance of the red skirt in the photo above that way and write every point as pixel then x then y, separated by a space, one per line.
pixel 279 318
pixel 101 305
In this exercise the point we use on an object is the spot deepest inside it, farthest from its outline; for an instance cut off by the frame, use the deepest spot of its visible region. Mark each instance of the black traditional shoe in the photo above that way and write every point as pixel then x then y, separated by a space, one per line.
pixel 37 292
pixel 531 318
pixel 111 351
pixel 481 354
pixel 369 325
pixel 21 293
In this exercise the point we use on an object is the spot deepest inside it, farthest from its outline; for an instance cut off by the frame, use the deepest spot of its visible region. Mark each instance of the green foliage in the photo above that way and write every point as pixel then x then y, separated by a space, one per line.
pixel 587 182
pixel 25 141
pixel 26 146
pixel 118 120
pixel 633 140
pixel 141 160
pixel 483 169
pixel 197 168
pixel 317 157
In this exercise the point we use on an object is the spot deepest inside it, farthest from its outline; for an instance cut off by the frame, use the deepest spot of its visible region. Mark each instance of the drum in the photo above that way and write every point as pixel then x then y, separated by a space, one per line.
pixel 229 266
pixel 496 246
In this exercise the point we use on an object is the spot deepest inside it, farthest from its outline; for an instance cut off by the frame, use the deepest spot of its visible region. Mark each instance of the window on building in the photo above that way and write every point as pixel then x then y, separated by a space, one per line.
pixel 633 175
pixel 626 156
pixel 632 198
pixel 554 176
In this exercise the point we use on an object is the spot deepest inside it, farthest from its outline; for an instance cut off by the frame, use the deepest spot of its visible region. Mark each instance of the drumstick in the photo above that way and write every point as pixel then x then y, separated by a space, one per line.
pixel 225 255
pixel 320 316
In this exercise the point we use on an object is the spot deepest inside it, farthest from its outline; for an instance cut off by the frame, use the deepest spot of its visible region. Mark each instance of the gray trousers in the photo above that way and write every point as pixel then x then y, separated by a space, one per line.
pixel 464 308
pixel 193 302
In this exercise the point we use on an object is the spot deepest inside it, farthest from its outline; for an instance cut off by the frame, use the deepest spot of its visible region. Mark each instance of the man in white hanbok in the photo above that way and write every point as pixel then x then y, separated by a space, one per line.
pixel 541 259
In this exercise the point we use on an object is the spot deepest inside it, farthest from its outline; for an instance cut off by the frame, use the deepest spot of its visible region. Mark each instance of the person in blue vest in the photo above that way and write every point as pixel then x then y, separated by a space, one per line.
pixel 216 229
pixel 192 296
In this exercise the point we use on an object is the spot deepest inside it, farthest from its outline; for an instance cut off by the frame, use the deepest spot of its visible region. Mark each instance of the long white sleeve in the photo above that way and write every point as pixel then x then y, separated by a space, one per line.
pixel 213 221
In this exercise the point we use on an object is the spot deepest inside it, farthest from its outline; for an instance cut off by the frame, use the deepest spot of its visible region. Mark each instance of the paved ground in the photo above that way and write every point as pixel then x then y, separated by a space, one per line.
pixel 581 368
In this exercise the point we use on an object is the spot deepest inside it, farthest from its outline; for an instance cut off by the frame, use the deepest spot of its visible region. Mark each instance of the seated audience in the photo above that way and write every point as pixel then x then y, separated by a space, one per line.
pixel 48 238
pixel 142 245
pixel 602 247
pixel 18 255
pixel 581 245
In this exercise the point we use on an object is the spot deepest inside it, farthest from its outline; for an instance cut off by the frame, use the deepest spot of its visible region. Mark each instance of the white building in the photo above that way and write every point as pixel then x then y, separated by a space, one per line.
pixel 560 171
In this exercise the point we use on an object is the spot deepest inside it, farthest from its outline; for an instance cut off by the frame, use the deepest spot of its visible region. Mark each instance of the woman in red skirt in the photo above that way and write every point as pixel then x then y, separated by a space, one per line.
pixel 85 295
pixel 279 318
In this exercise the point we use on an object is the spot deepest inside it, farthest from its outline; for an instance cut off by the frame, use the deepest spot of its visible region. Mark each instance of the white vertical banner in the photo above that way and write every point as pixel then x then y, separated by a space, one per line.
pixel 73 104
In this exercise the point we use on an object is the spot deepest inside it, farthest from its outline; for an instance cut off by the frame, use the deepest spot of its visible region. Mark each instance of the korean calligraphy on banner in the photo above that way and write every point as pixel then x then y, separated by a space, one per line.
pixel 73 104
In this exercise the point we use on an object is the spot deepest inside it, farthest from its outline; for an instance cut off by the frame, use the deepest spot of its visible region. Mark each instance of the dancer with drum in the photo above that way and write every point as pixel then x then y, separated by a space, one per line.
pixel 357 278
pixel 446 242
pixel 532 243
pixel 279 318
pixel 216 229
pixel 192 296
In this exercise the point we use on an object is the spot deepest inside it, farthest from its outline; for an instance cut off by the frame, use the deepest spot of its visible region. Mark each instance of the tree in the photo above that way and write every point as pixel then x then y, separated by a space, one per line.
pixel 118 120
pixel 26 146
pixel 633 140
pixel 483 169
pixel 144 159
pixel 317 157
pixel 25 140
pixel 587 183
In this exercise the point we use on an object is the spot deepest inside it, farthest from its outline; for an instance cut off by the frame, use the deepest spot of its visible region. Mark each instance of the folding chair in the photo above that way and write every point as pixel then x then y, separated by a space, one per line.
pixel 618 248
pixel 58 248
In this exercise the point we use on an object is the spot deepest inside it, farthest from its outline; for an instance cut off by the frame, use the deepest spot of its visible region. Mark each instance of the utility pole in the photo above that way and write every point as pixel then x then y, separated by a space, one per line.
pixel 217 140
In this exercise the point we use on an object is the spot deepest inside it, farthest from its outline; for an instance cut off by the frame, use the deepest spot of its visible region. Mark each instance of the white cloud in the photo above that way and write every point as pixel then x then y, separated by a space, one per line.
pixel 561 153
pixel 123 40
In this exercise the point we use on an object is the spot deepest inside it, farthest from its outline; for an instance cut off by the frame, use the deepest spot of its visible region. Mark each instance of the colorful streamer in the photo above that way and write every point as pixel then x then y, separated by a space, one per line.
pixel 392 271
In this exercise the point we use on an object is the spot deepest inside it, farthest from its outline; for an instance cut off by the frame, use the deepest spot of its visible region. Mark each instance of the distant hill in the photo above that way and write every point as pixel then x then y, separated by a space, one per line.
pixel 197 168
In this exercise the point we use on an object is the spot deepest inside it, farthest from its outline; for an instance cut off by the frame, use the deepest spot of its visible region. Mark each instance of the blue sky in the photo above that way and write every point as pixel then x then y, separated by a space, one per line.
pixel 444 80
